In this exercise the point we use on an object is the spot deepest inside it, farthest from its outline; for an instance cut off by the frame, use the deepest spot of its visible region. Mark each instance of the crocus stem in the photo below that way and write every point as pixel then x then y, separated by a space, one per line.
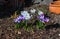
pixel 26 23
pixel 37 9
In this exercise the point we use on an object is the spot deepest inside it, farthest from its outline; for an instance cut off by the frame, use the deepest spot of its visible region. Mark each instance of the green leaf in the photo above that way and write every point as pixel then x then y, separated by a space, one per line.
pixel 39 25
pixel 17 26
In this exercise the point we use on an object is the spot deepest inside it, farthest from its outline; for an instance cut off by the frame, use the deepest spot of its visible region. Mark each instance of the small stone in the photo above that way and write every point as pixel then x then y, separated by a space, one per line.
pixel 19 32
pixel 41 32
pixel 59 34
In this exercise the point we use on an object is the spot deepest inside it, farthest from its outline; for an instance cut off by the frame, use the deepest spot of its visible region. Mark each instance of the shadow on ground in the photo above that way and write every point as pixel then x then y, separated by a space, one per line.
pixel 52 26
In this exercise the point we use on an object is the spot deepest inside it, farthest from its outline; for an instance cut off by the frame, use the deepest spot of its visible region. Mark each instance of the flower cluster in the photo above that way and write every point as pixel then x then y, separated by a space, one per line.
pixel 26 16
pixel 42 18
pixel 23 19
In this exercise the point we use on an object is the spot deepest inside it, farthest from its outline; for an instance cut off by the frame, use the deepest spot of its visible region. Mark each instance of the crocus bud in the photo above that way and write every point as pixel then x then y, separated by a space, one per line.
pixel 33 10
pixel 40 12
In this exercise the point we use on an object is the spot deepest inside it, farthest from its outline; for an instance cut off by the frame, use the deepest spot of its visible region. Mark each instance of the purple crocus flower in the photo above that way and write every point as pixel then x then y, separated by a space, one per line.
pixel 46 19
pixel 19 18
pixel 42 18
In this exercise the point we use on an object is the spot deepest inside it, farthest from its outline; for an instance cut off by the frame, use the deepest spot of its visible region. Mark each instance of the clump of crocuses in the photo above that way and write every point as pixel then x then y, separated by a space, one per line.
pixel 42 17
pixel 22 20
pixel 40 24
pixel 24 16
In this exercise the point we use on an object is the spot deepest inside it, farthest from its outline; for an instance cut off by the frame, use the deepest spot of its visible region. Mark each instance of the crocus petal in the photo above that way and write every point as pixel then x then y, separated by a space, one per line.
pixel 33 10
pixel 46 19
pixel 21 17
pixel 18 21
pixel 15 20
pixel 41 16
pixel 26 15
pixel 42 20
pixel 40 12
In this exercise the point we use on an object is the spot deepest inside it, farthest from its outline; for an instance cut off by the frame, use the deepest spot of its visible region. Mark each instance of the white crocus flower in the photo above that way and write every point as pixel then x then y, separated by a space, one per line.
pixel 26 15
pixel 40 12
pixel 33 10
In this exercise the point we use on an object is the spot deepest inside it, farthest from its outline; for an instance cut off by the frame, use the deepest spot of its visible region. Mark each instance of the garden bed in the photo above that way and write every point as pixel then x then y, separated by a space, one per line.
pixel 51 31
pixel 7 31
